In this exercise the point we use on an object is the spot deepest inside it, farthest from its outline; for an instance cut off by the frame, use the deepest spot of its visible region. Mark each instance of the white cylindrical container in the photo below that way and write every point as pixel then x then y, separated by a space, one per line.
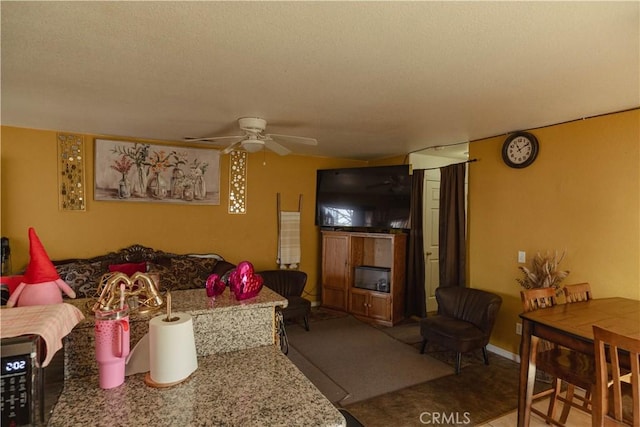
pixel 172 349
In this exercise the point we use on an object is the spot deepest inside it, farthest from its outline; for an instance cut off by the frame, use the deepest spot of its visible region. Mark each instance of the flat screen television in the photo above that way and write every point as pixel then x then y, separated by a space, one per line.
pixel 374 198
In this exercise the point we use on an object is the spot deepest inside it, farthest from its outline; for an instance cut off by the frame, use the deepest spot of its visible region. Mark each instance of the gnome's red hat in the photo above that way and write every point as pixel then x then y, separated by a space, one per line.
pixel 40 268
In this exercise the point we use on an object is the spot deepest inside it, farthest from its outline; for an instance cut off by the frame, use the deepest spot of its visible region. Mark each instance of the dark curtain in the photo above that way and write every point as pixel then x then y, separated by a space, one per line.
pixel 452 225
pixel 415 294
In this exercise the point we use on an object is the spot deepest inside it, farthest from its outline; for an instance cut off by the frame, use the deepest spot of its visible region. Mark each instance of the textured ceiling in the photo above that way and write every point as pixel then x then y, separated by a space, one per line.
pixel 367 79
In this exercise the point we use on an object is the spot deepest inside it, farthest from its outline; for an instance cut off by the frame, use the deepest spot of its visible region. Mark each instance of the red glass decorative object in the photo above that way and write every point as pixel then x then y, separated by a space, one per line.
pixel 243 282
pixel 214 285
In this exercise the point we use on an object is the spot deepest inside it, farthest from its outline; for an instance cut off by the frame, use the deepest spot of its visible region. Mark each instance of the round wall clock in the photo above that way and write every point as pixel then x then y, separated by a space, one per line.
pixel 520 150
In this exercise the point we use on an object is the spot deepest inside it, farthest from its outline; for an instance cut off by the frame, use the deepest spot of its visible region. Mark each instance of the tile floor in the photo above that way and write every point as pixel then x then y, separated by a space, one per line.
pixel 577 418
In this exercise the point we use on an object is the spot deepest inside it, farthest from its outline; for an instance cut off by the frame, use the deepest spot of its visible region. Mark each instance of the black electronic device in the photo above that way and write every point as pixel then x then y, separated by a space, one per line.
pixel 372 278
pixel 29 392
pixel 6 249
pixel 5 255
pixel 376 198
pixel 18 381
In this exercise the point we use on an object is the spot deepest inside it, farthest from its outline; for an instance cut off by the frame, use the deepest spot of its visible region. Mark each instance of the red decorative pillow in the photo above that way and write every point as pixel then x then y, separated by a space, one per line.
pixel 128 269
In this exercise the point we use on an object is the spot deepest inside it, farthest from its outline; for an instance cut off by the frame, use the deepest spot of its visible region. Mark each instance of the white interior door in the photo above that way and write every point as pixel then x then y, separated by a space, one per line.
pixel 431 161
pixel 431 220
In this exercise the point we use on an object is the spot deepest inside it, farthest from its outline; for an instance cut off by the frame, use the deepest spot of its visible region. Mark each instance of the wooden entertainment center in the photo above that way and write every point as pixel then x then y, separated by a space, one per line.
pixel 343 252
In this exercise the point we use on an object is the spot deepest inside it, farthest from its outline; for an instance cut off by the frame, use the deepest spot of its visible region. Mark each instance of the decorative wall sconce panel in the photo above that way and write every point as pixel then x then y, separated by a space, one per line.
pixel 237 182
pixel 71 178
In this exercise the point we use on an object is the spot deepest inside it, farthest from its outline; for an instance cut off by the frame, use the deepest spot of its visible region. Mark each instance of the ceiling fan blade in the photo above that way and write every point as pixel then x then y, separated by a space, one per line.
pixel 275 147
pixel 212 138
pixel 231 147
pixel 294 139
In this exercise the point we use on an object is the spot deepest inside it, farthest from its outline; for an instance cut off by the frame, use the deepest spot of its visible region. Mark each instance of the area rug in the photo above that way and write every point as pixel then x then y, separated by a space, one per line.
pixel 360 359
pixel 409 333
pixel 326 385
pixel 319 314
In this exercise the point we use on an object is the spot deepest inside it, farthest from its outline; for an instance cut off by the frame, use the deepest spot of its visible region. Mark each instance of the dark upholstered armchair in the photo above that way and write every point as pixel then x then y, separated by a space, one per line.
pixel 289 284
pixel 464 321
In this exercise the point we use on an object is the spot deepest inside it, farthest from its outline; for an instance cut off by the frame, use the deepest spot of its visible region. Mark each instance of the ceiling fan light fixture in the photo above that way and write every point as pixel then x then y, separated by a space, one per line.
pixel 254 138
pixel 252 145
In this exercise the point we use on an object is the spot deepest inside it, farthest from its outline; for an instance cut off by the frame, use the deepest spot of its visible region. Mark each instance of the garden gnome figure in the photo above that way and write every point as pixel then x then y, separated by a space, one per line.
pixel 42 284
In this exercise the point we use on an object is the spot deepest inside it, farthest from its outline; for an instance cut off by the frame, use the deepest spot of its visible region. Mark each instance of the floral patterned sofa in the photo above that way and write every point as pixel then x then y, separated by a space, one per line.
pixel 176 271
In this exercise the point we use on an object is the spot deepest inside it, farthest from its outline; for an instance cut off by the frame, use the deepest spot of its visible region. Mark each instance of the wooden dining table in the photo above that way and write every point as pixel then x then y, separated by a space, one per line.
pixel 571 326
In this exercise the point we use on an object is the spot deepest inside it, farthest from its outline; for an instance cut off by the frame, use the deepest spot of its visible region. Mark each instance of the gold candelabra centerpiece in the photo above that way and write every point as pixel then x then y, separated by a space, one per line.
pixel 140 293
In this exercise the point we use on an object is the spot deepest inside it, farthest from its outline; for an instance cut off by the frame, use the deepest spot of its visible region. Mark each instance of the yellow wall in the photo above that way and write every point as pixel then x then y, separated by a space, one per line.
pixel 582 195
pixel 30 199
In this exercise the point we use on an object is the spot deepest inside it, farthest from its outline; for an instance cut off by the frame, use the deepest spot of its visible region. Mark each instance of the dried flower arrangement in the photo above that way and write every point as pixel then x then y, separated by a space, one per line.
pixel 544 272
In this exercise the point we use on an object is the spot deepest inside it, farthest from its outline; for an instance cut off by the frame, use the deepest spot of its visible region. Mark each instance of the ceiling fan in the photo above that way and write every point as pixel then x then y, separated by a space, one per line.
pixel 255 140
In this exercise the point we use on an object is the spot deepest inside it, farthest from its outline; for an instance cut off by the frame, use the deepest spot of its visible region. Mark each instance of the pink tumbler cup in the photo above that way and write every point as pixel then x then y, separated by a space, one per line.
pixel 112 346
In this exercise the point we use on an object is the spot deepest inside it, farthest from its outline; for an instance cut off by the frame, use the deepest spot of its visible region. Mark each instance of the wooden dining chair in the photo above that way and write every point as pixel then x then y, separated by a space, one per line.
pixel 575 368
pixel 533 299
pixel 577 293
pixel 618 402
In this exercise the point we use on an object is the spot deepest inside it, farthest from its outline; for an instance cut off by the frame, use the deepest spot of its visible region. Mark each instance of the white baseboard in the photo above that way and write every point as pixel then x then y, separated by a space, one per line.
pixel 504 353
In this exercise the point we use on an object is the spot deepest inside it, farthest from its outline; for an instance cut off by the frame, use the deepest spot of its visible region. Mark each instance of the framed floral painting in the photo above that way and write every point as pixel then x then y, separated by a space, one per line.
pixel 139 172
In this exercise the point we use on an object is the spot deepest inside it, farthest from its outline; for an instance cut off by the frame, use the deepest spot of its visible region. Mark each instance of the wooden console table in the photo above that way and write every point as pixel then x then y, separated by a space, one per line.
pixel 343 253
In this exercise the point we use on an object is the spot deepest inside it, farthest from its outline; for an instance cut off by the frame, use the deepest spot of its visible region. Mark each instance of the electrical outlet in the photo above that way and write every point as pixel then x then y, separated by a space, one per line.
pixel 522 257
pixel 518 328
